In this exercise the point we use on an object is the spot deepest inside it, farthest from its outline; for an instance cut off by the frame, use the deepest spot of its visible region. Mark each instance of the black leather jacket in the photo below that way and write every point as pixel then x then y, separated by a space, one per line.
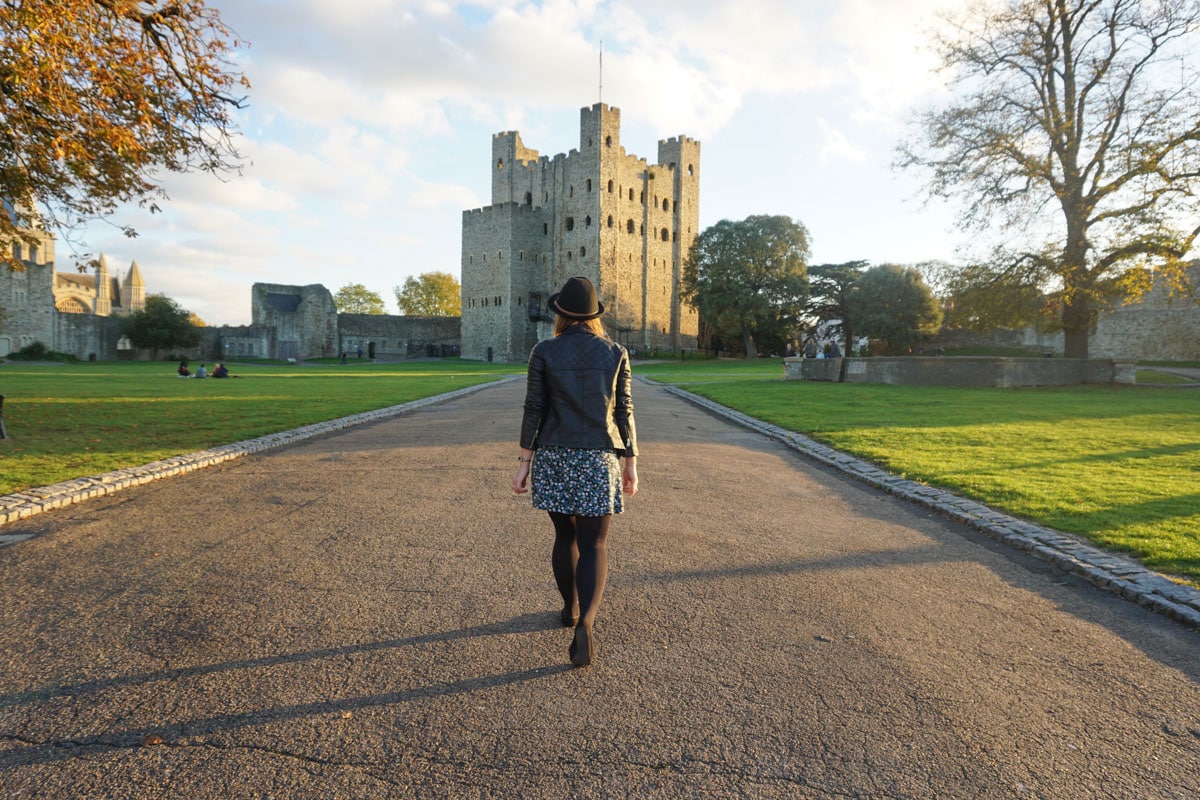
pixel 577 395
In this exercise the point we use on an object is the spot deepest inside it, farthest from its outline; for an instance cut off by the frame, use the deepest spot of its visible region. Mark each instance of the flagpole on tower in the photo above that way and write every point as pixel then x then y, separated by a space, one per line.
pixel 600 93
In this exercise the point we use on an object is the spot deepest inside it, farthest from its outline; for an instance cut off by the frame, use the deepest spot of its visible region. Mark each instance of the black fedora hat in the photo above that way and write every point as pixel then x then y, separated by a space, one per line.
pixel 577 300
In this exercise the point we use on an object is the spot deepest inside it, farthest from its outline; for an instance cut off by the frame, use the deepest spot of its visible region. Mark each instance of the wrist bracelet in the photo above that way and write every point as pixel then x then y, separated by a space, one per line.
pixel 524 460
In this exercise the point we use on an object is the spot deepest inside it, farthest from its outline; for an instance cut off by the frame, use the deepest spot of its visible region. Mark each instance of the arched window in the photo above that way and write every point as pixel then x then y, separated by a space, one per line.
pixel 666 235
pixel 666 204
pixel 589 184
pixel 587 221
pixel 691 171
pixel 545 229
pixel 570 223
pixel 608 141
pixel 631 195
pixel 529 198
pixel 610 220
pixel 629 226
pixel 582 252
pixel 610 187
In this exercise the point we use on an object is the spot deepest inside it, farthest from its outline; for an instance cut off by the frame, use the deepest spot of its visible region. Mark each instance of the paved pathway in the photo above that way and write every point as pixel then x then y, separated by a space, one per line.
pixel 370 614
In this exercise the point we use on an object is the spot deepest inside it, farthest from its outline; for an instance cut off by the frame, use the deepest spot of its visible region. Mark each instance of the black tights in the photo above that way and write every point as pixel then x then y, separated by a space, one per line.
pixel 580 561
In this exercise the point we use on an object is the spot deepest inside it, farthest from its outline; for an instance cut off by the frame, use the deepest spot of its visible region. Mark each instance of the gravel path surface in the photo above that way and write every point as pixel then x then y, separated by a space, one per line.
pixel 370 614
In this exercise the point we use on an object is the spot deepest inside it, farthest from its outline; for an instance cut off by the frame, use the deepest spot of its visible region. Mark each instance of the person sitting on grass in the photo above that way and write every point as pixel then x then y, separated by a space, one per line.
pixel 201 372
pixel 183 370
pixel 220 371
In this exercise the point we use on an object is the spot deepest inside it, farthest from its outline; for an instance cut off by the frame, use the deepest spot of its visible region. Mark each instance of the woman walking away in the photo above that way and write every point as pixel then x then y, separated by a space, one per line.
pixel 578 420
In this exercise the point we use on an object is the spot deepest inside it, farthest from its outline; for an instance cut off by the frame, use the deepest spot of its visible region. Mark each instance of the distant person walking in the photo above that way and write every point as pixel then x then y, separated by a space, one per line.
pixel 578 421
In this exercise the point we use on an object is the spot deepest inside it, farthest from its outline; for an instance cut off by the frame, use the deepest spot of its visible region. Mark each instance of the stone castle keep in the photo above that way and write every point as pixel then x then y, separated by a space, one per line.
pixel 598 212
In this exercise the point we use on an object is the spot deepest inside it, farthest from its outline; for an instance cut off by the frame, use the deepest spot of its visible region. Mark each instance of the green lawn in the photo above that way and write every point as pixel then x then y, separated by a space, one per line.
pixel 69 420
pixel 1119 465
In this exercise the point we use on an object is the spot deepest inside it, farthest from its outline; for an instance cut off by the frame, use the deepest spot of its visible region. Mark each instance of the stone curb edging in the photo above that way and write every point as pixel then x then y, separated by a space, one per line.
pixel 21 505
pixel 1113 573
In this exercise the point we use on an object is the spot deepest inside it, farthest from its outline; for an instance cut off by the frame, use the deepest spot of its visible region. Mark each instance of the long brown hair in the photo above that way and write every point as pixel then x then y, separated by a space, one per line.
pixel 562 322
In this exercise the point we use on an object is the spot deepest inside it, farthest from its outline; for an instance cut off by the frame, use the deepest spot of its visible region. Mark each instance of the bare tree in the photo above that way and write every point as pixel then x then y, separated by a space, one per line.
pixel 1075 127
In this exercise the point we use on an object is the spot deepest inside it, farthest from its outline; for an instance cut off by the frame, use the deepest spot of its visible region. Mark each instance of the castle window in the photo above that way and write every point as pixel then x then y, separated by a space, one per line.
pixel 587 221
pixel 666 235
pixel 570 225
pixel 589 184
pixel 582 252
pixel 571 190
pixel 629 226
pixel 610 220
pixel 666 204
pixel 545 197
pixel 568 255
pixel 675 236
pixel 500 164
pixel 529 198
pixel 642 198
pixel 545 229
pixel 521 255
pixel 608 141
pixel 33 253
pixel 690 170
pixel 16 248
pixel 499 301
pixel 631 195
pixel 610 187
pixel 641 230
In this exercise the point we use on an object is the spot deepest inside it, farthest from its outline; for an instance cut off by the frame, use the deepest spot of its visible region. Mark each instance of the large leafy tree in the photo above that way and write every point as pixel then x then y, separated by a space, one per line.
pixel 982 297
pixel 99 97
pixel 161 325
pixel 431 294
pixel 748 279
pixel 1074 125
pixel 893 304
pixel 354 298
pixel 831 288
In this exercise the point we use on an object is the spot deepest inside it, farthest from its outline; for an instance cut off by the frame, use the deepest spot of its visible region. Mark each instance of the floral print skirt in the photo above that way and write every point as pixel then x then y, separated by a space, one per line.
pixel 577 482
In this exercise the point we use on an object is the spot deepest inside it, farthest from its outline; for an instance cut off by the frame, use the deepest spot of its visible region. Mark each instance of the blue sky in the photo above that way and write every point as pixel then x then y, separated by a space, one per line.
pixel 369 123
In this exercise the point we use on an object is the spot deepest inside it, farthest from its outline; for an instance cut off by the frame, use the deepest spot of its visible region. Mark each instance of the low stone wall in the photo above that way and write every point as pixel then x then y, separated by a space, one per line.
pixel 962 371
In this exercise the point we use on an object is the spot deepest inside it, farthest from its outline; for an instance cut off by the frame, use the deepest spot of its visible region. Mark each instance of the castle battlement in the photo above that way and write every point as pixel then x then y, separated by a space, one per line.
pixel 677 140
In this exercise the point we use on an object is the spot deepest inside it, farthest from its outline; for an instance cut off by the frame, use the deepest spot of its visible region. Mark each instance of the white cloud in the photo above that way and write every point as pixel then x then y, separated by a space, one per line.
pixel 836 147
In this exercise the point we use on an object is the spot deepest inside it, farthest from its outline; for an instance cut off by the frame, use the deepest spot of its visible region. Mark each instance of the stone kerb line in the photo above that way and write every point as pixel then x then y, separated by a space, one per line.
pixel 1111 572
pixel 29 502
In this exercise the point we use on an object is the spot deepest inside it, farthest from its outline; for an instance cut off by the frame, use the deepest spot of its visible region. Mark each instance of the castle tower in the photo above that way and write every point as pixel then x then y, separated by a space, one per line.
pixel 103 304
pixel 133 290
pixel 595 211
